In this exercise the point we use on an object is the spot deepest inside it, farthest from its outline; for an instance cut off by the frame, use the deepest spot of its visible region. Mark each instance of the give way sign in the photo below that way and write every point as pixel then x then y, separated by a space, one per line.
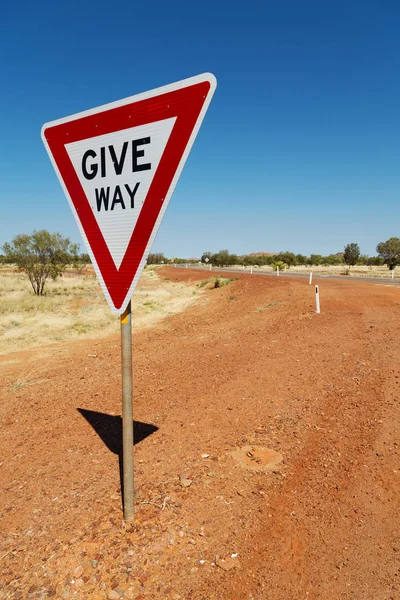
pixel 118 165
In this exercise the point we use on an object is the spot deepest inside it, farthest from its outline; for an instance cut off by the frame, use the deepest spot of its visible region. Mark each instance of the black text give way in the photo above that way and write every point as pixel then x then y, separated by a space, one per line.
pixel 105 163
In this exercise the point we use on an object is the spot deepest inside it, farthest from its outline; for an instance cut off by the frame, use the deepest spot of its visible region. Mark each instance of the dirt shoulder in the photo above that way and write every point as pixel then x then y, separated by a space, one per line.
pixel 248 366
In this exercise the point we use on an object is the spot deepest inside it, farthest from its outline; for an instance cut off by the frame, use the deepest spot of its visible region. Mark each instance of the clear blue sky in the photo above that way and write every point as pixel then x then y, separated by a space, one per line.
pixel 300 149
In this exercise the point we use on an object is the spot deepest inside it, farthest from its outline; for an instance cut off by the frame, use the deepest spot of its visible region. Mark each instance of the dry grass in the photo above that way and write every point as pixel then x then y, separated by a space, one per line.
pixel 74 307
pixel 359 271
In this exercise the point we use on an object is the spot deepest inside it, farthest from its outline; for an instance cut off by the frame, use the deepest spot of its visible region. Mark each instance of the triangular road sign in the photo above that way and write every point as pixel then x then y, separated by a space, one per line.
pixel 118 165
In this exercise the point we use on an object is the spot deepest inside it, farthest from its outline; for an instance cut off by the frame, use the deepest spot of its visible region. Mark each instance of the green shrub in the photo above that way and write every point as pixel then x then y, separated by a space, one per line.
pixel 279 264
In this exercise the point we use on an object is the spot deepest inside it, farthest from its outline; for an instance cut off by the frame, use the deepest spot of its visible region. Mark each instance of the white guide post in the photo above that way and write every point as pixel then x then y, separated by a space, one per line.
pixel 310 277
pixel 277 271
pixel 317 304
pixel 393 274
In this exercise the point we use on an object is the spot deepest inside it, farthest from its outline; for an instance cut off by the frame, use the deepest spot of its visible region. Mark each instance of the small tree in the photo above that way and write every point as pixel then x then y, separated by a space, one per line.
pixel 206 255
pixel 351 254
pixel 279 264
pixel 41 255
pixel 84 258
pixel 363 259
pixel 390 252
pixel 289 258
pixel 221 258
pixel 333 259
pixel 301 259
pixel 375 261
pixel 156 259
pixel 80 262
pixel 315 260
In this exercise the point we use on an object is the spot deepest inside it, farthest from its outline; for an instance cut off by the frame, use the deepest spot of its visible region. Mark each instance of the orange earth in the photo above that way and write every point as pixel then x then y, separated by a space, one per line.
pixel 266 457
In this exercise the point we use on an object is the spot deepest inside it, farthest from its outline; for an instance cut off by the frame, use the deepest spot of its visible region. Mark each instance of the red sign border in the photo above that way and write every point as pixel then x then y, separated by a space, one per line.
pixel 186 104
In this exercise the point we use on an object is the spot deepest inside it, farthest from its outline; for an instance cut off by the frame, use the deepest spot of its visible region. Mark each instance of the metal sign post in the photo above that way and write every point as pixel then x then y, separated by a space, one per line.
pixel 127 413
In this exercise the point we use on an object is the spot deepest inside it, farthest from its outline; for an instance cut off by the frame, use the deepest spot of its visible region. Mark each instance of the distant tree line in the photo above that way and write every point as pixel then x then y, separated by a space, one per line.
pixel 42 255
pixel 388 254
pixel 158 258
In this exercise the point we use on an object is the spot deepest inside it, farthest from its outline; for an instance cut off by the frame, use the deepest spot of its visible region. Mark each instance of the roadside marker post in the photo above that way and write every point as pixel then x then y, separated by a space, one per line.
pixel 251 270
pixel 118 165
pixel 277 271
pixel 393 274
pixel 317 304
pixel 310 277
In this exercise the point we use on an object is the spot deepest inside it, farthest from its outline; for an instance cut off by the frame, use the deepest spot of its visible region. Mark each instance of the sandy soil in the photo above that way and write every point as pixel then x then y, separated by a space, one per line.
pixel 266 456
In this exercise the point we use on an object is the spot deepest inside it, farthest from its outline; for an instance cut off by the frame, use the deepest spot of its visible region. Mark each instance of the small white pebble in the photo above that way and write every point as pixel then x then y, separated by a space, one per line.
pixel 234 555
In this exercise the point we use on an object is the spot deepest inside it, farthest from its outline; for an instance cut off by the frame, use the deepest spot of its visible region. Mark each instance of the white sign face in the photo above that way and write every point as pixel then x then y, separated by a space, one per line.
pixel 116 171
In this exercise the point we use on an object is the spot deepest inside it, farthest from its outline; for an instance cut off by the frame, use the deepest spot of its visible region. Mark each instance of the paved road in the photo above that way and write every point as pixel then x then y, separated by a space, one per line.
pixel 380 280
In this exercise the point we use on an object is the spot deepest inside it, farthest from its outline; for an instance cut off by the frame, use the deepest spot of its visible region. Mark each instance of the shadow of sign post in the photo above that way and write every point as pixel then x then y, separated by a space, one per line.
pixel 109 430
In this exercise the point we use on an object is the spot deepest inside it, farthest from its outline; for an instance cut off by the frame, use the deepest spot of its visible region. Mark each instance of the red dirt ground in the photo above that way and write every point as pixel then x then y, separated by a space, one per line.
pixel 250 365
